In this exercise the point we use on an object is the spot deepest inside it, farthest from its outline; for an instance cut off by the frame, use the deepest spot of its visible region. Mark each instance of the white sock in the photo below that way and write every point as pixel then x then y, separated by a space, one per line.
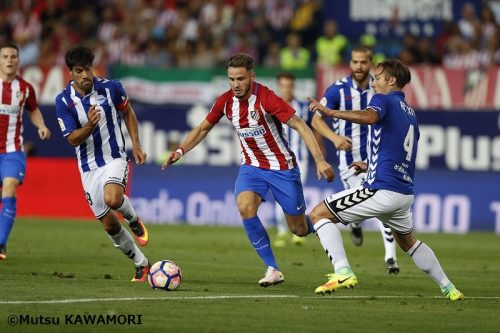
pixel 127 210
pixel 389 242
pixel 426 260
pixel 331 239
pixel 124 241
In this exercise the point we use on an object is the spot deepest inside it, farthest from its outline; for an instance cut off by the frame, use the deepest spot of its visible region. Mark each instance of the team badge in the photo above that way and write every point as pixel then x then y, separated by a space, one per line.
pixel 255 115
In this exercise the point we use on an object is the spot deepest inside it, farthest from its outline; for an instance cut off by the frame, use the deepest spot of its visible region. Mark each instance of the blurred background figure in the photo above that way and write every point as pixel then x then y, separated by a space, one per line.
pixel 331 46
pixel 294 56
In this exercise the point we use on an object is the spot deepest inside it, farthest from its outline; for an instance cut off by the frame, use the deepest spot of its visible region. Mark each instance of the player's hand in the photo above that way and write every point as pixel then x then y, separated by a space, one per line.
pixel 174 157
pixel 317 106
pixel 94 116
pixel 359 167
pixel 44 133
pixel 342 143
pixel 324 169
pixel 139 155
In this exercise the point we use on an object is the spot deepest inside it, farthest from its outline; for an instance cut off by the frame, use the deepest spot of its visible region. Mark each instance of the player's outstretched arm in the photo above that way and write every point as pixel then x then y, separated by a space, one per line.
pixel 340 142
pixel 363 117
pixel 133 131
pixel 78 136
pixel 323 168
pixel 193 138
pixel 37 120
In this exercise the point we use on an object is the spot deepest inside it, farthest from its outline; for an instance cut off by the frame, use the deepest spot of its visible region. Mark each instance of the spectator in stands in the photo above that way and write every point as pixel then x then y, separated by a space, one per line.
pixel 272 57
pixel 427 54
pixel 294 56
pixel 468 23
pixel 331 46
pixel 488 27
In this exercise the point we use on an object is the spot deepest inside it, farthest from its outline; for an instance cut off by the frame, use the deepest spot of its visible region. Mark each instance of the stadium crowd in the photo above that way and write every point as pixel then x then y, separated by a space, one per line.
pixel 202 33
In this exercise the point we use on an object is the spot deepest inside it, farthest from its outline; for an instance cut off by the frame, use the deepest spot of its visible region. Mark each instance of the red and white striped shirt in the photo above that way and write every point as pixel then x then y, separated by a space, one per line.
pixel 258 121
pixel 13 97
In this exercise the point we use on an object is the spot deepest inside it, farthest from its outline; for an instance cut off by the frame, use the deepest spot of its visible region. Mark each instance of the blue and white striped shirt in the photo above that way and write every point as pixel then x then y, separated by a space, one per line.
pixel 345 95
pixel 294 139
pixel 106 141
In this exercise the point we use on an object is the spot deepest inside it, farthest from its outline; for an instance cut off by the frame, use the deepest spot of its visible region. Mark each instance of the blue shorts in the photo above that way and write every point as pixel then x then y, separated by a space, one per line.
pixel 284 184
pixel 13 165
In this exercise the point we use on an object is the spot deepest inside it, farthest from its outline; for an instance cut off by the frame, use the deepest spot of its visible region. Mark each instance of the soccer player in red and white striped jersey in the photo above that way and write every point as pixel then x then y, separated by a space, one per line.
pixel 268 163
pixel 15 95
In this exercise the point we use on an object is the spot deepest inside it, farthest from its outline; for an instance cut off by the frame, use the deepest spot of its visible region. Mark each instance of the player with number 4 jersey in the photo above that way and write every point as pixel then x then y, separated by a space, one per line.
pixel 387 193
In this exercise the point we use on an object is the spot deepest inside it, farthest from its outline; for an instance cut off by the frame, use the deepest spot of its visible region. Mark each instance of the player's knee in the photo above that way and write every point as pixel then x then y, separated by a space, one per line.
pixel 247 210
pixel 113 200
pixel 315 215
pixel 300 230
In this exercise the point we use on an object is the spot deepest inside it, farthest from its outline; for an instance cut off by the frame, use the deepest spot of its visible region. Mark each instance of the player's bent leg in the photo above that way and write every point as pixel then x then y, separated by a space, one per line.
pixel 8 213
pixel 115 198
pixel 248 203
pixel 299 224
pixel 390 259
pixel 425 259
pixel 122 240
pixel 331 240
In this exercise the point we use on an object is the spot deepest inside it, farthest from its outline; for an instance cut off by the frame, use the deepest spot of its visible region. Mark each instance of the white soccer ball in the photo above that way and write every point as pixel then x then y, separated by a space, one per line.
pixel 165 275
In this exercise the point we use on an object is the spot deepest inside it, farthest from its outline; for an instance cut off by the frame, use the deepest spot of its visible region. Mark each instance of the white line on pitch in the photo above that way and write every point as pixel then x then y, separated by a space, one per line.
pixel 217 297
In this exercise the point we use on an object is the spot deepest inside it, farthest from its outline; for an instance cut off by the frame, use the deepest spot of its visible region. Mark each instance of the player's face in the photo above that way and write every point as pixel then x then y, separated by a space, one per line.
pixel 286 88
pixel 360 66
pixel 9 61
pixel 83 77
pixel 381 82
pixel 240 80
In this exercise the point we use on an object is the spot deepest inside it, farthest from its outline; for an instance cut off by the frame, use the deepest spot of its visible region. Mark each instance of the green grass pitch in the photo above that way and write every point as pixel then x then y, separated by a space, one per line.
pixel 67 260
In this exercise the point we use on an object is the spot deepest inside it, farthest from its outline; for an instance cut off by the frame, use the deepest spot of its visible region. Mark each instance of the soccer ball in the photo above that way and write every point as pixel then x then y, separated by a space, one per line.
pixel 165 275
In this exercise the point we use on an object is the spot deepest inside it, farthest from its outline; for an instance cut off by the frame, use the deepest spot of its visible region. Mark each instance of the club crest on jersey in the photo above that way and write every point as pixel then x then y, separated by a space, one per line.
pixel 255 115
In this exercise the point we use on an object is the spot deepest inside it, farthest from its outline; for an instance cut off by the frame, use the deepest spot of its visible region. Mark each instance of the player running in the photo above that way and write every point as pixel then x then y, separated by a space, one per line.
pixel 352 140
pixel 88 111
pixel 387 192
pixel 286 89
pixel 267 160
pixel 16 94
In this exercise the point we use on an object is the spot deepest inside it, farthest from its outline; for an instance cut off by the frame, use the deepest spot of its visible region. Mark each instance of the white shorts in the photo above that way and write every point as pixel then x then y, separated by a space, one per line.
pixel 358 204
pixel 93 181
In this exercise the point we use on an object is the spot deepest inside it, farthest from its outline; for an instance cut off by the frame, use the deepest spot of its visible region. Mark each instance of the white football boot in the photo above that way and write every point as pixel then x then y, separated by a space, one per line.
pixel 273 276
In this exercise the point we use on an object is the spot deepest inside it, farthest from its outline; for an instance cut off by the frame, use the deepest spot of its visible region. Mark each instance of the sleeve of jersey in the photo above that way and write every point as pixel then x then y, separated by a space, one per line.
pixel 120 98
pixel 217 111
pixel 331 98
pixel 378 103
pixel 277 107
pixel 64 117
pixel 31 103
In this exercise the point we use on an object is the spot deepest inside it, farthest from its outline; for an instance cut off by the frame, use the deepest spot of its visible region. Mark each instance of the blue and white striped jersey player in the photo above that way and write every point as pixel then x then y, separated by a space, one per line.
pixel 352 140
pixel 387 192
pixel 89 111
pixel 286 90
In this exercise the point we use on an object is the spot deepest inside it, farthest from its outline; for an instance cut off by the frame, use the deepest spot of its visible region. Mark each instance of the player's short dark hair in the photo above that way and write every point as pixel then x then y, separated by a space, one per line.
pixel 9 45
pixel 285 75
pixel 363 49
pixel 79 56
pixel 397 69
pixel 240 60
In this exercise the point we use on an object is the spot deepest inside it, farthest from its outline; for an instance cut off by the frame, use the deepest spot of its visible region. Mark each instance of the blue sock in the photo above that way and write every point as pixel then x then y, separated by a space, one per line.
pixel 310 225
pixel 7 218
pixel 259 238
